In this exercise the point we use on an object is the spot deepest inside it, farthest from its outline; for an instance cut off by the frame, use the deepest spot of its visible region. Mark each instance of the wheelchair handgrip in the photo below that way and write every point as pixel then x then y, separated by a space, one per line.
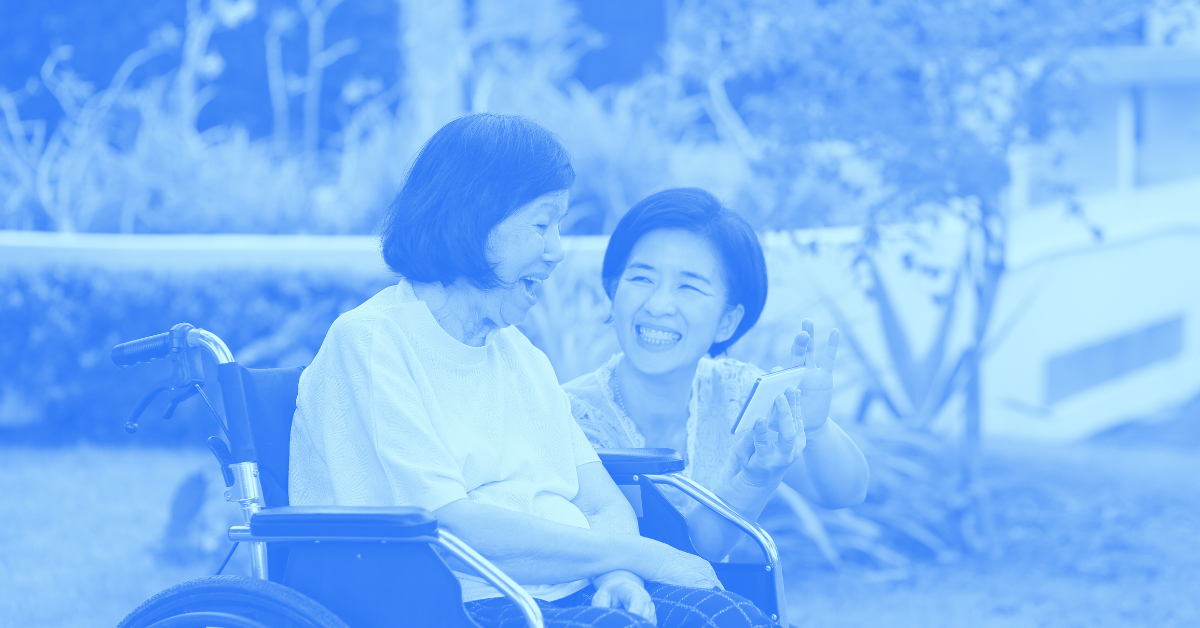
pixel 142 349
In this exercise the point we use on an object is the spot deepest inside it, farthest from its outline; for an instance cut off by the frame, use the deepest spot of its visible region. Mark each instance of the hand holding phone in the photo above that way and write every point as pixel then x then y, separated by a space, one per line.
pixel 762 396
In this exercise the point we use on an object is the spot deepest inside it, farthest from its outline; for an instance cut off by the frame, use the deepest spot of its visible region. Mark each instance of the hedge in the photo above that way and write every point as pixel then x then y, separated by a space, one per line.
pixel 60 385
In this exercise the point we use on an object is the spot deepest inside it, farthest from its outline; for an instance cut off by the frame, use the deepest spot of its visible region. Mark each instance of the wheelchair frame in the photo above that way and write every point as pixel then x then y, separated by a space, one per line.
pixel 247 489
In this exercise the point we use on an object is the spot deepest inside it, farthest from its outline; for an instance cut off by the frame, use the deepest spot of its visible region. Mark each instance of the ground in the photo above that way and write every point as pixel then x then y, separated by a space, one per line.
pixel 1099 534
pixel 1093 535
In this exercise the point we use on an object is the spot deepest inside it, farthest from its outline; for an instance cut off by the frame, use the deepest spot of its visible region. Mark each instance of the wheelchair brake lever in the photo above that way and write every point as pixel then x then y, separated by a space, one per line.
pixel 131 425
pixel 187 393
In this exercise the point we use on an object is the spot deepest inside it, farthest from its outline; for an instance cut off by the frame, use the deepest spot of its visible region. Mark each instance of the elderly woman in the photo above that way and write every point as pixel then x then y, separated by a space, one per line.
pixel 426 395
pixel 687 278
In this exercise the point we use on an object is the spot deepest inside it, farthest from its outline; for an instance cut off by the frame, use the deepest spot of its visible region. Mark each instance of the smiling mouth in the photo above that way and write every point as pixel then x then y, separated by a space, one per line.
pixel 530 283
pixel 657 337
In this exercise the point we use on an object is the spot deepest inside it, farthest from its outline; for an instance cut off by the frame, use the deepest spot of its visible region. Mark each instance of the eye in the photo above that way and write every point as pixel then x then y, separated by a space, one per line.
pixel 638 278
pixel 693 288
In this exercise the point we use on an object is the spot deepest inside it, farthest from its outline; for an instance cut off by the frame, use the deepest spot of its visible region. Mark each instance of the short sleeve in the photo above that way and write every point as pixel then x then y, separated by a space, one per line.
pixel 599 433
pixel 582 445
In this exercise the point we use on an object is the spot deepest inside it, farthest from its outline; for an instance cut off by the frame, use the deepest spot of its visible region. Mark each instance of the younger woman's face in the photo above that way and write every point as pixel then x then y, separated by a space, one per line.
pixel 669 305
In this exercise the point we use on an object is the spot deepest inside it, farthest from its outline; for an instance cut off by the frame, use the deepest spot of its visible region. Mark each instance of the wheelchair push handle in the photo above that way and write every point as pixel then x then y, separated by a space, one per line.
pixel 142 349
pixel 180 345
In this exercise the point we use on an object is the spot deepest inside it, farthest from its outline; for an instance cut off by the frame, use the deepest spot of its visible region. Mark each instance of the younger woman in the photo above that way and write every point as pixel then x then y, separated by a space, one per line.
pixel 687 278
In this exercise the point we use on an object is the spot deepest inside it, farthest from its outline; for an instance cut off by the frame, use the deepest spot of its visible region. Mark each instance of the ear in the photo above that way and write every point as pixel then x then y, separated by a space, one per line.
pixel 729 323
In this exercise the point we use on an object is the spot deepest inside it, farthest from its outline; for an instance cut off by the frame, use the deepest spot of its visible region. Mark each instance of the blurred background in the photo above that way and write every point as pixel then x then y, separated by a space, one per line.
pixel 996 201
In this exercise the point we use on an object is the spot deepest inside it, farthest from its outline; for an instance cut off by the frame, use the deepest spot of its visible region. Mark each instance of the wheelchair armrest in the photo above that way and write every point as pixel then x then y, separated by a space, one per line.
pixel 346 522
pixel 369 523
pixel 636 461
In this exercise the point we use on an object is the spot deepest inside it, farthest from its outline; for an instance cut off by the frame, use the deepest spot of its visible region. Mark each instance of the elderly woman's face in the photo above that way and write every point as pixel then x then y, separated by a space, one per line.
pixel 525 247
pixel 670 303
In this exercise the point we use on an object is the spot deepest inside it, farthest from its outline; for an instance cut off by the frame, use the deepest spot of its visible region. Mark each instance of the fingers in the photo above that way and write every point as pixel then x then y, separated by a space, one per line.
pixel 799 347
pixel 807 326
pixel 793 397
pixel 643 606
pixel 788 427
pixel 830 353
pixel 603 598
pixel 739 456
pixel 780 412
pixel 762 434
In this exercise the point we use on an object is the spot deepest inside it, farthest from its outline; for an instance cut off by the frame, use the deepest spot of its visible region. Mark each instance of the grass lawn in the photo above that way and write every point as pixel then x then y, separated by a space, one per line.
pixel 1091 535
pixel 1087 535
pixel 79 529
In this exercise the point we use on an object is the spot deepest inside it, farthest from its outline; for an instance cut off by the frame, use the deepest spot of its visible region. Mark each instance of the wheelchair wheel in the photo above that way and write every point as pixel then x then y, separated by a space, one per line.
pixel 231 602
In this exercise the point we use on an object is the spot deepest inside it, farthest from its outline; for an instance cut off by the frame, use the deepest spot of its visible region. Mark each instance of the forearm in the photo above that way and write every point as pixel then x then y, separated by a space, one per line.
pixel 616 518
pixel 533 550
pixel 714 536
pixel 833 467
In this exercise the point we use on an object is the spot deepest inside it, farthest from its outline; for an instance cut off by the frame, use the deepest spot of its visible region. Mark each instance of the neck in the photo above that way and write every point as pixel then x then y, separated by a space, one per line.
pixel 656 402
pixel 459 310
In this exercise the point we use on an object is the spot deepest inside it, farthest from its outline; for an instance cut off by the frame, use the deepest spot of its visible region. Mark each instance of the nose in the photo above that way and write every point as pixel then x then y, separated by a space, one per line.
pixel 661 301
pixel 553 253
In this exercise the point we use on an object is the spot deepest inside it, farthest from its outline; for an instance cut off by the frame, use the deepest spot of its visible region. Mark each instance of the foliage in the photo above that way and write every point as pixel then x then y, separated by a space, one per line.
pixel 920 104
pixel 67 390
pixel 804 113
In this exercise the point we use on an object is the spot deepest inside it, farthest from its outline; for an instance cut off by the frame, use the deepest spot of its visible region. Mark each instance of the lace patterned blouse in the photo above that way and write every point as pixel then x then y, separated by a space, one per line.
pixel 719 391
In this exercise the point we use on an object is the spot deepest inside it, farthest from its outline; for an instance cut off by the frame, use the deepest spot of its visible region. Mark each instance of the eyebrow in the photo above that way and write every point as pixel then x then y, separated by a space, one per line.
pixel 686 273
pixel 553 210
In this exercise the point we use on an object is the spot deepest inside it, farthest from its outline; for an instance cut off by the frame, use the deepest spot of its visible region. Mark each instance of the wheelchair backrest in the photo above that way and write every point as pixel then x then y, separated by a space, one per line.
pixel 271 403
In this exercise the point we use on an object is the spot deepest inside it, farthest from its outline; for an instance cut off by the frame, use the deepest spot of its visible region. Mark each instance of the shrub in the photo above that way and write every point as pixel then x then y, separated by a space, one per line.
pixel 62 323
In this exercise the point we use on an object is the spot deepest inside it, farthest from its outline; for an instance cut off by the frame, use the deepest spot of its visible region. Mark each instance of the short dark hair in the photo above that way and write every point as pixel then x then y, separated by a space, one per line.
pixel 471 175
pixel 697 211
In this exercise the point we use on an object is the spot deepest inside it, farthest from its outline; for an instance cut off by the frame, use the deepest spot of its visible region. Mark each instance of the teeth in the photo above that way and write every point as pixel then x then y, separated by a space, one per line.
pixel 655 336
pixel 530 284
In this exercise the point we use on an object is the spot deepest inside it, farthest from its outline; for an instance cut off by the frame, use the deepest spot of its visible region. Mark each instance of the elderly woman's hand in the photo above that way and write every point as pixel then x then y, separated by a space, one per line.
pixel 671 566
pixel 623 590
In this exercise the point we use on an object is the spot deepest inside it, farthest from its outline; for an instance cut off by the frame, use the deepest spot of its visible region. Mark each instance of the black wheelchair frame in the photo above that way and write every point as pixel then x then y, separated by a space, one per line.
pixel 340 567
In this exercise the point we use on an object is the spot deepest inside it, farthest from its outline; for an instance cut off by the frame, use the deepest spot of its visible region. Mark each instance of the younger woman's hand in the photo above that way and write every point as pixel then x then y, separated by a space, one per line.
pixel 765 453
pixel 816 385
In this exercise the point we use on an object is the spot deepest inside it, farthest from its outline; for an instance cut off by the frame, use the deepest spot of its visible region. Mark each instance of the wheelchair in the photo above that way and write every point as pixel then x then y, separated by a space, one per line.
pixel 364 567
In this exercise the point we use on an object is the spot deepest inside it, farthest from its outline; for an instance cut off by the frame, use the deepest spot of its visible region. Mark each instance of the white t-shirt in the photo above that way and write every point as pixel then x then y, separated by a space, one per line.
pixel 393 411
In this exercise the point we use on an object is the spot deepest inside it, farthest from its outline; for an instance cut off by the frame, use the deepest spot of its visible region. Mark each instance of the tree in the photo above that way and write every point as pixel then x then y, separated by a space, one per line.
pixel 914 109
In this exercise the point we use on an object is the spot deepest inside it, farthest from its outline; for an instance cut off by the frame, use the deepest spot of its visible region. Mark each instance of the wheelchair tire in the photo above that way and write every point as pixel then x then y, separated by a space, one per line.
pixel 230 602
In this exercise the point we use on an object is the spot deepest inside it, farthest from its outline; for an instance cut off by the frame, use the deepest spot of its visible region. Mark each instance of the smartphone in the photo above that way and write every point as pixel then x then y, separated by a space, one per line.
pixel 763 394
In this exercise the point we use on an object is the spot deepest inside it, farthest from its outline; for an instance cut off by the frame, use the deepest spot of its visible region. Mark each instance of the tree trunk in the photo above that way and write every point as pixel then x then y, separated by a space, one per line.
pixel 987 271
pixel 436 57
